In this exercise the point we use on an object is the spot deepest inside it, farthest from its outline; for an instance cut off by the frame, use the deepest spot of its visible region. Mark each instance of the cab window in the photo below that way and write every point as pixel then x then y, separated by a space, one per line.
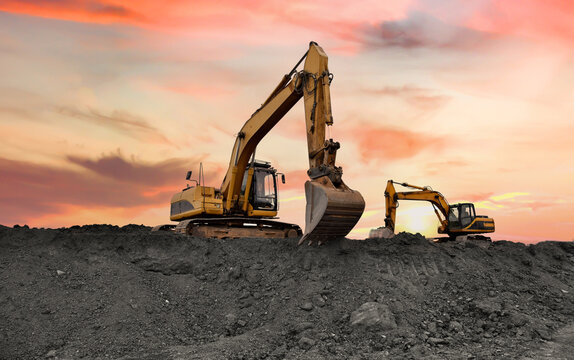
pixel 453 218
pixel 466 215
pixel 264 195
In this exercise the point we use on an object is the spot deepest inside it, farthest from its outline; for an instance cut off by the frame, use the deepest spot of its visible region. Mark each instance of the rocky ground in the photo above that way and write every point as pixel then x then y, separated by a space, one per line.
pixel 107 292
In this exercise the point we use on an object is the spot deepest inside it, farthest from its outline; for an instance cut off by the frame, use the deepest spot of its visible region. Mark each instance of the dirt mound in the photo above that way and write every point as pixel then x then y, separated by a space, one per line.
pixel 102 291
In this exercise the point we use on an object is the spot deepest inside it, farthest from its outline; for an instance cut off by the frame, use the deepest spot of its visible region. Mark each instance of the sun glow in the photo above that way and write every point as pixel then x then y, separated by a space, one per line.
pixel 416 218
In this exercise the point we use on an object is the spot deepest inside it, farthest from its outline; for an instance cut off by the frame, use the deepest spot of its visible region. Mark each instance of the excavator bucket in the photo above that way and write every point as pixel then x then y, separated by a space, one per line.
pixel 331 211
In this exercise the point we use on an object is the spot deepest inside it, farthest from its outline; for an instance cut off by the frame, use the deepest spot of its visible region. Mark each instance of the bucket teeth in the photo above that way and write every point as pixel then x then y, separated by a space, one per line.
pixel 331 211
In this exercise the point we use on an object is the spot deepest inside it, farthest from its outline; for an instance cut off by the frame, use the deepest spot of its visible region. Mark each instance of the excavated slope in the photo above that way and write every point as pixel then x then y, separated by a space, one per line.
pixel 101 291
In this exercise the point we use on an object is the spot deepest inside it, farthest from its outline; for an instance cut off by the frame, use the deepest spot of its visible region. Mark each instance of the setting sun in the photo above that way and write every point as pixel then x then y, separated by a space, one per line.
pixel 416 218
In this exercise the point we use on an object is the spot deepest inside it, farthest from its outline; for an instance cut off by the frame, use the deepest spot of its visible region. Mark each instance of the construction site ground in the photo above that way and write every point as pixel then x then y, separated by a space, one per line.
pixel 102 291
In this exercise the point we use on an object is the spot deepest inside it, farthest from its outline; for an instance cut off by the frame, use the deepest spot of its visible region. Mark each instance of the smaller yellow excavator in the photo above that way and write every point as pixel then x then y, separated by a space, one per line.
pixel 456 220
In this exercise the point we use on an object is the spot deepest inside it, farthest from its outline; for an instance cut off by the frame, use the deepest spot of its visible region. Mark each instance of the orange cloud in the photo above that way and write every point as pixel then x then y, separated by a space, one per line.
pixel 81 11
pixel 388 144
pixel 475 197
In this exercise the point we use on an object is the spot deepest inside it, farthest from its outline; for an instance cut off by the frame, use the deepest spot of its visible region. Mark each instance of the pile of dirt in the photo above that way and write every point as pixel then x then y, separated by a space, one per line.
pixel 102 291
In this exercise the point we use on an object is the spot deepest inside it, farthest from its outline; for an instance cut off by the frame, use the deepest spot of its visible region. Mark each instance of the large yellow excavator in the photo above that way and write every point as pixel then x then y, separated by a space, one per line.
pixel 246 202
pixel 456 220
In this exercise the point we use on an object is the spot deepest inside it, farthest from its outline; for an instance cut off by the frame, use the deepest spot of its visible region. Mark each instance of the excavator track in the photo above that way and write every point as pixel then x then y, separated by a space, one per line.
pixel 237 227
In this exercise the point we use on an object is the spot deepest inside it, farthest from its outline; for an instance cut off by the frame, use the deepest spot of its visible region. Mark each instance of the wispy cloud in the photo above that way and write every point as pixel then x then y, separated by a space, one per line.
pixel 508 196
pixel 437 167
pixel 519 201
pixel 129 124
pixel 424 99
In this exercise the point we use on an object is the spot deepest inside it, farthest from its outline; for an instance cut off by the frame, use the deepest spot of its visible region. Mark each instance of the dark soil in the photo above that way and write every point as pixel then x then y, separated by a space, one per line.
pixel 102 291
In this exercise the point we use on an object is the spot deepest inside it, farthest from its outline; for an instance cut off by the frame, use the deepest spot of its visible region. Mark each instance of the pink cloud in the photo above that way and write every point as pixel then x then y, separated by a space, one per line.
pixel 112 182
pixel 549 20
pixel 340 19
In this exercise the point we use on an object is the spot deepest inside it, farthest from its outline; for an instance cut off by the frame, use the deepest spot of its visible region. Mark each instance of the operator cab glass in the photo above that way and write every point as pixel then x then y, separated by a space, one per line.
pixel 461 215
pixel 264 190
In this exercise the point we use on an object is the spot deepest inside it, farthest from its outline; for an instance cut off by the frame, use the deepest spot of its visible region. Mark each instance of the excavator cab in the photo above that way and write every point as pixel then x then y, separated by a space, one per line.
pixel 262 192
pixel 264 189
pixel 461 215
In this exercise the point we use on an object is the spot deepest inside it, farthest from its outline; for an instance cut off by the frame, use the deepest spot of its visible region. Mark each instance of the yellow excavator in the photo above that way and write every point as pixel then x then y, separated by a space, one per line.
pixel 456 220
pixel 246 203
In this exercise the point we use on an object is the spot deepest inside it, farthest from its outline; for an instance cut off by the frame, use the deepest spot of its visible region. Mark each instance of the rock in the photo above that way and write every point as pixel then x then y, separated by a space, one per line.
pixel 306 343
pixel 319 301
pixel 257 266
pixel 235 272
pixel 60 272
pixel 436 341
pixel 307 263
pixel 247 302
pixel 455 326
pixel 517 319
pixel 230 319
pixel 51 354
pixel 488 306
pixel 544 333
pixel 371 314
pixel 302 326
pixel 307 306
pixel 241 323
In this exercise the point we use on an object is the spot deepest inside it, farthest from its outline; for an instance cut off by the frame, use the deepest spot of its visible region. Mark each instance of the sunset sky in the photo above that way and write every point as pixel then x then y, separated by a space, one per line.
pixel 104 105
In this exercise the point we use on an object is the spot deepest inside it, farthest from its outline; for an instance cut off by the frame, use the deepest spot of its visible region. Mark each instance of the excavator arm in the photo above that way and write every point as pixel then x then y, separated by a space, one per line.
pixel 422 194
pixel 332 208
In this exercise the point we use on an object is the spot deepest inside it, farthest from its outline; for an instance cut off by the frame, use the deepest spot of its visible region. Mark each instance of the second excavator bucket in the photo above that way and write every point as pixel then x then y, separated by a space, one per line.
pixel 381 233
pixel 331 212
